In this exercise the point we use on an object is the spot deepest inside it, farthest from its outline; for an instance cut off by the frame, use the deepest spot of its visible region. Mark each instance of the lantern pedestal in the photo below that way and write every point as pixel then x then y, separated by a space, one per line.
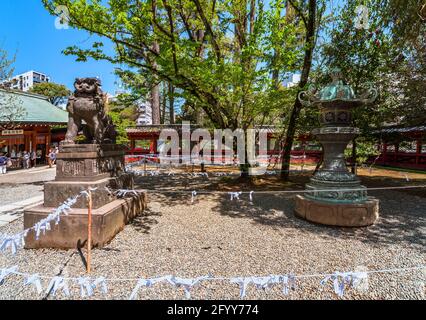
pixel 338 214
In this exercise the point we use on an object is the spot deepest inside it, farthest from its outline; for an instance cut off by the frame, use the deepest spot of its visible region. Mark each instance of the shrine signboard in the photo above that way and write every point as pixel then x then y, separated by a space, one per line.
pixel 12 132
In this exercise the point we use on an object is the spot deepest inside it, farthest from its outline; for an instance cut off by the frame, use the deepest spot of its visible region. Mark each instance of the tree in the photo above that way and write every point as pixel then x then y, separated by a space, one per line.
pixel 390 54
pixel 155 89
pixel 216 52
pixel 405 21
pixel 311 16
pixel 365 56
pixel 55 92
pixel 123 114
pixel 11 109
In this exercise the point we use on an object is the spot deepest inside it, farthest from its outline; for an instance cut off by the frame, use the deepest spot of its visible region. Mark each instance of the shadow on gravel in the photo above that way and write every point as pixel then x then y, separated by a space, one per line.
pixel 144 222
pixel 402 217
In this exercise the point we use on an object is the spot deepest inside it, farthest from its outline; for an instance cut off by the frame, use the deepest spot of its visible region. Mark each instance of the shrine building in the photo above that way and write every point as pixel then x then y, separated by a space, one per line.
pixel 32 131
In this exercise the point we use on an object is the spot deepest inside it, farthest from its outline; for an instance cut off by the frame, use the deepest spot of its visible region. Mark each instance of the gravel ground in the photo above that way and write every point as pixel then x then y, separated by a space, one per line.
pixel 224 238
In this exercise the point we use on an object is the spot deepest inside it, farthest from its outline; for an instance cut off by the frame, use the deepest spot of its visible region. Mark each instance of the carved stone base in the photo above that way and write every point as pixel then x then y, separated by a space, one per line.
pixel 71 232
pixel 88 162
pixel 338 214
pixel 56 192
pixel 339 192
pixel 80 167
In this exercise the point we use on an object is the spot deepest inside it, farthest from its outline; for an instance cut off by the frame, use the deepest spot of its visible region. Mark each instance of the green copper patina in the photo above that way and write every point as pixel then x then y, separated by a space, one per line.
pixel 337 89
pixel 336 102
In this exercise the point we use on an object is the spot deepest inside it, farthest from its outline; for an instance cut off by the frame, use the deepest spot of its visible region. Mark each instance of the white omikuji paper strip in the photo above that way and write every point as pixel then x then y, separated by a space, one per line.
pixel 187 284
pixel 35 281
pixel 58 283
pixel 147 283
pixel 288 281
pixel 17 241
pixel 4 273
pixel 341 279
pixel 87 285
pixel 251 196
pixel 235 195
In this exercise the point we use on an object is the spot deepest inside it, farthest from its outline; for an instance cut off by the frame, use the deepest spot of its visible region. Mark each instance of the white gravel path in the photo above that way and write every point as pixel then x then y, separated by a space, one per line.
pixel 224 238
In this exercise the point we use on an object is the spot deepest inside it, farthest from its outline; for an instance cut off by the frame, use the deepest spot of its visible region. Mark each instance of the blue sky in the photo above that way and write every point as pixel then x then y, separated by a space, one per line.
pixel 28 30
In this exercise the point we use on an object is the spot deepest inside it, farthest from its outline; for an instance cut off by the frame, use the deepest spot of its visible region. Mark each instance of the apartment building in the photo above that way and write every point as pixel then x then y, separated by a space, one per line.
pixel 27 80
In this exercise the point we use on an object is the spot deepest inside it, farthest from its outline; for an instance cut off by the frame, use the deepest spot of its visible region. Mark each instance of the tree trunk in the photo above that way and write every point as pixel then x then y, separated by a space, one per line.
pixel 244 167
pixel 155 93
pixel 307 64
pixel 163 104
pixel 172 103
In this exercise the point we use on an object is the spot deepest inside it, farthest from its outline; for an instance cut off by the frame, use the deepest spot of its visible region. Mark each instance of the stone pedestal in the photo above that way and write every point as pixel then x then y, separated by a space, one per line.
pixel 80 167
pixel 336 196
pixel 338 214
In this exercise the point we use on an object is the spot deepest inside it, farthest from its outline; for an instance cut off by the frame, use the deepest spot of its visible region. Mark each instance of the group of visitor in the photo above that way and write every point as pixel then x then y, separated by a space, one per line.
pixel 24 159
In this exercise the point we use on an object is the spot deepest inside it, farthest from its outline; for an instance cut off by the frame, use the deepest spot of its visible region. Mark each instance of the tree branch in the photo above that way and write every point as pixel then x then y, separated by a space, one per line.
pixel 299 12
pixel 208 29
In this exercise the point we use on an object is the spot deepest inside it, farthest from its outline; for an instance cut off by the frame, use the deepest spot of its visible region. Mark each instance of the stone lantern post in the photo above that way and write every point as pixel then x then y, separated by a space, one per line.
pixel 336 196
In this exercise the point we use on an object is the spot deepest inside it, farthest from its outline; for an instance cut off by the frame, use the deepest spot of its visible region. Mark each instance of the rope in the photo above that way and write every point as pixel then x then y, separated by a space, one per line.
pixel 315 275
pixel 281 191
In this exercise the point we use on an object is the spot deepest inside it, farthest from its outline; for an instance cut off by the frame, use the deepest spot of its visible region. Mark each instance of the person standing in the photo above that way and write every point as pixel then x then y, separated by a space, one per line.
pixel 33 159
pixel 49 161
pixel 56 153
pixel 3 164
pixel 19 159
pixel 27 159
pixel 52 157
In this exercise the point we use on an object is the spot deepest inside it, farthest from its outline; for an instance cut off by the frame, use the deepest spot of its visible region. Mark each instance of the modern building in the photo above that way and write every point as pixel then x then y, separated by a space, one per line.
pixel 27 80
pixel 292 80
pixel 145 113
pixel 144 105
pixel 32 131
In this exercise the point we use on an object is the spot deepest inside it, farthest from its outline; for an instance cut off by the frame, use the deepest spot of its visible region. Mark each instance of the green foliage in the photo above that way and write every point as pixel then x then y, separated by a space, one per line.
pixel 227 58
pixel 123 116
pixel 364 56
pixel 80 138
pixel 55 92
pixel 120 125
pixel 391 55
pixel 405 21
pixel 217 54
pixel 365 149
